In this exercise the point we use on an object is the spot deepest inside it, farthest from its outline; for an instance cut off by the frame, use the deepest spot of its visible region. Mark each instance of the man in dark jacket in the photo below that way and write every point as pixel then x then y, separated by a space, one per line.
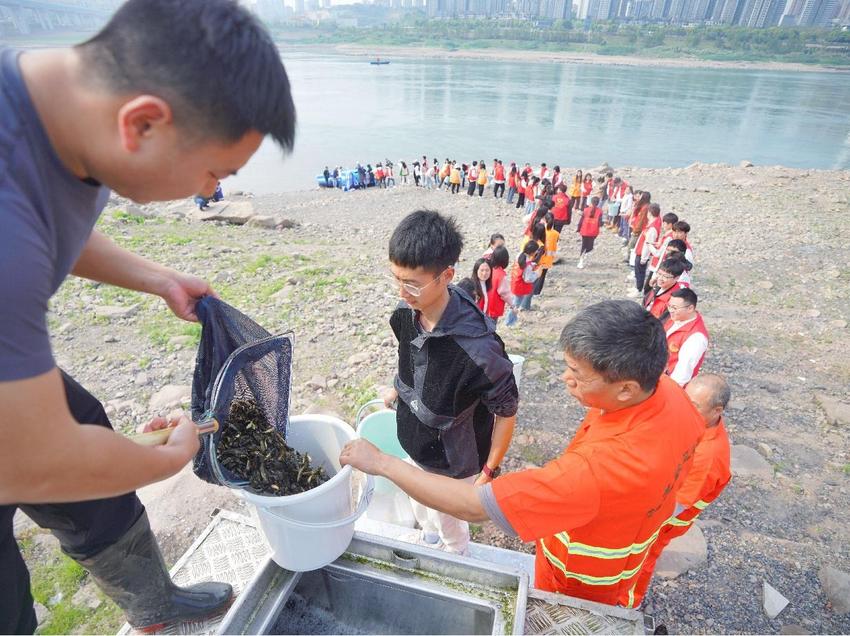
pixel 455 391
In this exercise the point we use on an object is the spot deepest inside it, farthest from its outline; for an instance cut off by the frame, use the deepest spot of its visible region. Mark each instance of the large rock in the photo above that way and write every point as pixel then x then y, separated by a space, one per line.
pixel 171 396
pixel 684 553
pixel 772 601
pixel 235 212
pixel 268 222
pixel 114 311
pixel 836 586
pixel 837 412
pixel 746 462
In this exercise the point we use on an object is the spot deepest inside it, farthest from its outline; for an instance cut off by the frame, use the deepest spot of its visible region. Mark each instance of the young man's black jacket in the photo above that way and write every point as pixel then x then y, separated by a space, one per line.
pixel 451 382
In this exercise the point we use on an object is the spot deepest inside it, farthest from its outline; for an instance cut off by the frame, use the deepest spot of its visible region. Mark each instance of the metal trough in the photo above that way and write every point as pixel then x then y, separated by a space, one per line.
pixel 382 586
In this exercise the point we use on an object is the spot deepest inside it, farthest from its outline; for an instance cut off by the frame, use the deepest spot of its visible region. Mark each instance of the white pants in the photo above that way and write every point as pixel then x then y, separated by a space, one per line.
pixel 453 532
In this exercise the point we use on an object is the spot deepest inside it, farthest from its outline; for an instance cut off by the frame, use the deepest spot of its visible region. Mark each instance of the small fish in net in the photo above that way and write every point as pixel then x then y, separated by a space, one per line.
pixel 255 451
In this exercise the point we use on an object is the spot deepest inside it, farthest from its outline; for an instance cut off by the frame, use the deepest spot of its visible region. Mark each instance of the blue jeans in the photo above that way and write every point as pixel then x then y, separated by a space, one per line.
pixel 511 194
pixel 529 206
pixel 524 302
pixel 625 231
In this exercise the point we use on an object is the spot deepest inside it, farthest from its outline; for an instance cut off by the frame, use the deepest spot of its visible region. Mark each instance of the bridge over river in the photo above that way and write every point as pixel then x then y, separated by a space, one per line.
pixel 39 16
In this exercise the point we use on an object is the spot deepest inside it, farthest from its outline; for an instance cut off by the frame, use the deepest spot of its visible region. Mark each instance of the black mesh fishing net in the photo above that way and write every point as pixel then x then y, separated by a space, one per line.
pixel 237 360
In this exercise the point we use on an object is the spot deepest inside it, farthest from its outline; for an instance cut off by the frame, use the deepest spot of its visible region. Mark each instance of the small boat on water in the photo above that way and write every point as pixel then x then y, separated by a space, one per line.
pixel 379 61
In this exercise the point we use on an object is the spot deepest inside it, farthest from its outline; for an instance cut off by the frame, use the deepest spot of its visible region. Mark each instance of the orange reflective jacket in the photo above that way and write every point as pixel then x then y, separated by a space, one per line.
pixel 709 474
pixel 597 509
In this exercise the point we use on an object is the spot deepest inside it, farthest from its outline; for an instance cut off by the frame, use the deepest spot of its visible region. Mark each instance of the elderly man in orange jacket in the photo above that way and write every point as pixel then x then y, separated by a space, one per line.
pixel 595 511
pixel 709 473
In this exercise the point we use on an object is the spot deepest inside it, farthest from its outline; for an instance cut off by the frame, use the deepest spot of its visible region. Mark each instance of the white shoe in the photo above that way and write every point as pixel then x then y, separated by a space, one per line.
pixel 580 264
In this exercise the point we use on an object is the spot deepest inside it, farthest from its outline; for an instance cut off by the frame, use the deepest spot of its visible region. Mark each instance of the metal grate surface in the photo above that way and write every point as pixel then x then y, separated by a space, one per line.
pixel 548 613
pixel 230 549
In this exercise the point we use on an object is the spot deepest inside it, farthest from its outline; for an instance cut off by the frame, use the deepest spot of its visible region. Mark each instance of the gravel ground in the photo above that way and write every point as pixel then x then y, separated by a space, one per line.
pixel 772 270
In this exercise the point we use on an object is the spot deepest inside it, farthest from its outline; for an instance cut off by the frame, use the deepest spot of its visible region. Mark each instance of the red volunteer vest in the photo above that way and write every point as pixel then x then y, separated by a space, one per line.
pixel 495 304
pixel 676 339
pixel 639 245
pixel 660 243
pixel 499 173
pixel 518 286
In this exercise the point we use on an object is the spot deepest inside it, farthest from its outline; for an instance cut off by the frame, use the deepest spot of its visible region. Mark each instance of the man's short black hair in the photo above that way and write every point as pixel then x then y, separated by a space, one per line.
pixel 654 209
pixel 426 239
pixel 496 237
pixel 673 266
pixel 638 353
pixel 687 294
pixel 211 60
pixel 670 217
pixel 682 226
pixel 678 244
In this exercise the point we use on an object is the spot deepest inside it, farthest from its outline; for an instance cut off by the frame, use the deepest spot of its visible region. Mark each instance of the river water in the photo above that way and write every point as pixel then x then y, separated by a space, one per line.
pixel 570 114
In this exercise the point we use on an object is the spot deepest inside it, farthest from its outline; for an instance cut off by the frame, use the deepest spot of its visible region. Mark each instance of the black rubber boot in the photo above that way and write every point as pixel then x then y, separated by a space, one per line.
pixel 132 573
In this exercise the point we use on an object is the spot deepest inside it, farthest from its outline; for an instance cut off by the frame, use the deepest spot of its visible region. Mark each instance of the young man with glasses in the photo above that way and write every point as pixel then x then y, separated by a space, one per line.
pixel 687 337
pixel 454 392
pixel 666 282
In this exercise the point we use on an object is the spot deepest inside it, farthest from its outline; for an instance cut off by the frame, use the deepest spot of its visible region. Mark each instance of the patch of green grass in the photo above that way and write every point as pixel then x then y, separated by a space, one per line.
pixel 846 469
pixel 175 239
pixel 144 362
pixel 126 217
pixel 55 577
pixel 357 395
pixel 269 289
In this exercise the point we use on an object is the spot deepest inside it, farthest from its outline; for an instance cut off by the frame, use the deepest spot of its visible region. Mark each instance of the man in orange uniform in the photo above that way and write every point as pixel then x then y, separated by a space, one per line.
pixel 595 511
pixel 709 473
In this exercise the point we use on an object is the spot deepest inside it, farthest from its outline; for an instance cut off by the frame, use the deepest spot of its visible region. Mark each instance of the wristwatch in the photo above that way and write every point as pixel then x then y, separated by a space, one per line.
pixel 492 473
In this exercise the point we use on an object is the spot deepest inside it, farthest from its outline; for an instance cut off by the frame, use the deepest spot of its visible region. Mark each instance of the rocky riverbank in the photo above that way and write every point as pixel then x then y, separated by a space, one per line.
pixel 772 271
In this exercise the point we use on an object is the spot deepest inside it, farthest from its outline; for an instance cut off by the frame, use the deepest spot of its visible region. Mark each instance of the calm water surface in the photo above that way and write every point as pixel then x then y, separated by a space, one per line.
pixel 572 114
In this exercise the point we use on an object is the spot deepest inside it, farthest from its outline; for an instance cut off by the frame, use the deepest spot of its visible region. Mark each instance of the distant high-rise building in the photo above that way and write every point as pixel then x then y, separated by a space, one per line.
pixel 818 12
pixel 299 7
pixel 583 9
pixel 765 13
pixel 844 13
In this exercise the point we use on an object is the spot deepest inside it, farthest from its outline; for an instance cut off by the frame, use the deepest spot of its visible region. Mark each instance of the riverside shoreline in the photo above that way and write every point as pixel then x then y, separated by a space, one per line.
pixel 565 57
pixel 772 270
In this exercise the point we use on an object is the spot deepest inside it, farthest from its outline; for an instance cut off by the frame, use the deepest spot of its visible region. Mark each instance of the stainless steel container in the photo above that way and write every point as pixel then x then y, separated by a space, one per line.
pixel 382 586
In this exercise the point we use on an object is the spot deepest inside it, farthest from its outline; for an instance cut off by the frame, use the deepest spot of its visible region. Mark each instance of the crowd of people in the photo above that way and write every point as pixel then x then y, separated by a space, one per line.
pixel 656 251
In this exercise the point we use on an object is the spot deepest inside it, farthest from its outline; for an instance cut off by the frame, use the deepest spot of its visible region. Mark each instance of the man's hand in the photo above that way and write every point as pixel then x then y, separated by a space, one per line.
pixel 389 395
pixel 182 291
pixel 184 440
pixel 362 455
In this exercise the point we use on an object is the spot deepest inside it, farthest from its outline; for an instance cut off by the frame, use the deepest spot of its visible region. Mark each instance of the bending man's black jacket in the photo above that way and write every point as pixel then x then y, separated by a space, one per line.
pixel 451 383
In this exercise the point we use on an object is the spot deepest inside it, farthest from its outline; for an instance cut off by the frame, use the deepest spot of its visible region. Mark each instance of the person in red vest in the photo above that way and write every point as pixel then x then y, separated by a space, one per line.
pixel 588 227
pixel 648 236
pixel 680 231
pixel 524 274
pixel 595 510
pixel 658 249
pixel 499 296
pixel 687 337
pixel 667 281
pixel 498 179
pixel 709 474
pixel 561 208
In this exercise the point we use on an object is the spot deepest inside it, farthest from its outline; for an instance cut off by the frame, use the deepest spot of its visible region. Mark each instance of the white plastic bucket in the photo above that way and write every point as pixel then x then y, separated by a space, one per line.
pixel 518 362
pixel 311 529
